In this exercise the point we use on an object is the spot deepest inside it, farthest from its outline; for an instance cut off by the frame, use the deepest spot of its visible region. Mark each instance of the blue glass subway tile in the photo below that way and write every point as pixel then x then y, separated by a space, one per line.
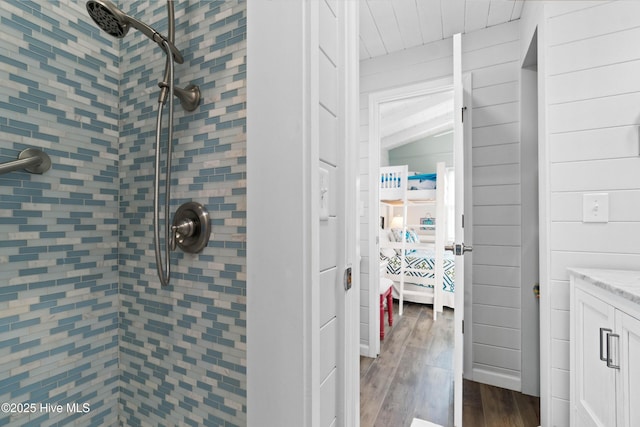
pixel 11 220
pixel 69 82
pixel 13 62
pixel 236 39
pixel 8 343
pixel 52 235
pixel 32 271
pixel 53 70
pixel 229 94
pixel 9 296
pixel 37 53
pixel 15 131
pixel 25 346
pixel 41 284
pixel 22 29
pixel 25 22
pixel 37 95
pixel 23 103
pixel 28 6
pixel 23 80
pixel 22 258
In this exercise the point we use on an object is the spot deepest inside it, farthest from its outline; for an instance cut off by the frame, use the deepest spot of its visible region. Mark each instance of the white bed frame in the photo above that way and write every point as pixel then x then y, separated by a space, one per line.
pixel 394 192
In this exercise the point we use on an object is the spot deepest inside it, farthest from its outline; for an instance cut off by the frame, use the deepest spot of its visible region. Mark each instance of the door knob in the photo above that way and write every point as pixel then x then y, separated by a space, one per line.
pixel 458 249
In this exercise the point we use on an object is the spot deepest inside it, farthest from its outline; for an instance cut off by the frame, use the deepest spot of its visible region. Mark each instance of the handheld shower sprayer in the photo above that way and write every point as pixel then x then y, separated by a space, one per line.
pixel 191 228
pixel 117 23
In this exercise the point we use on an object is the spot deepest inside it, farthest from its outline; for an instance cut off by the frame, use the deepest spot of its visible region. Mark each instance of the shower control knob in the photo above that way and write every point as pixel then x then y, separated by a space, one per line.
pixel 180 232
pixel 191 228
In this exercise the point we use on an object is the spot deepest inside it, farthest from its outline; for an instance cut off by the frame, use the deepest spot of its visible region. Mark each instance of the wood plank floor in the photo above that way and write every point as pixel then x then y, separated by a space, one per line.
pixel 413 378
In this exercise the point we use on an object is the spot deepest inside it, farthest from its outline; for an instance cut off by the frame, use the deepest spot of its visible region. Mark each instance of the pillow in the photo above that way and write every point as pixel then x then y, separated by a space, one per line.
pixel 425 181
pixel 385 237
pixel 396 234
pixel 410 237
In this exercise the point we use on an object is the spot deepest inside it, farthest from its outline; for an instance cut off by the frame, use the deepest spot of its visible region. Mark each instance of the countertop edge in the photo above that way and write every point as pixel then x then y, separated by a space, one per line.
pixel 624 283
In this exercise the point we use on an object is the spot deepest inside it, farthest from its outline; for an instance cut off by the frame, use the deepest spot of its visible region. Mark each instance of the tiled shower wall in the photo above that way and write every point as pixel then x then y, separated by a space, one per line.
pixel 58 231
pixel 89 101
pixel 182 348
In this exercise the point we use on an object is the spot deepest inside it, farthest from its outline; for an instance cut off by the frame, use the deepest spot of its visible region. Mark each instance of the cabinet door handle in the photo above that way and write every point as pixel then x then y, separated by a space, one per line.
pixel 609 358
pixel 608 331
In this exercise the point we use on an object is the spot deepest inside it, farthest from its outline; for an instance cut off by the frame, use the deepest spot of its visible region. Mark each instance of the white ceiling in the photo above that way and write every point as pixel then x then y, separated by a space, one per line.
pixel 408 120
pixel 388 26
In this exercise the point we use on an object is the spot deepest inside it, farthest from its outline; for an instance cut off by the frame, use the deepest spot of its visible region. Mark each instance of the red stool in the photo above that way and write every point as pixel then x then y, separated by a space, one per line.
pixel 386 286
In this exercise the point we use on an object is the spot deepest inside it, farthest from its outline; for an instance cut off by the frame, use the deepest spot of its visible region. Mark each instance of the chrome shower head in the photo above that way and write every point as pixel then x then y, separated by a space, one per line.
pixel 116 23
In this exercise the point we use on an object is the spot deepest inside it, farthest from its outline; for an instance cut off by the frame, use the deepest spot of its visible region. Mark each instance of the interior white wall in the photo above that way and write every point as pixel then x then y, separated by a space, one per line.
pixel 277 351
pixel 423 155
pixel 591 103
pixel 492 55
pixel 302 106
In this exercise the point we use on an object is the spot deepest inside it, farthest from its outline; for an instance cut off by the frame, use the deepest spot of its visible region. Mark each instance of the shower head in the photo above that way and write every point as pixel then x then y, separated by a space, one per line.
pixel 115 22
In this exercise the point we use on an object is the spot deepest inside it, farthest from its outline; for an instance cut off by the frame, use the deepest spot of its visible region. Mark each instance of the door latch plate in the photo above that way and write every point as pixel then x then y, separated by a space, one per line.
pixel 348 282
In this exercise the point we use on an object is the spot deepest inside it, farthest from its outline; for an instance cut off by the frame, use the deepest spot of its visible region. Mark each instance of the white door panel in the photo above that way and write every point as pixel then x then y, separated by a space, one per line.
pixel 462 162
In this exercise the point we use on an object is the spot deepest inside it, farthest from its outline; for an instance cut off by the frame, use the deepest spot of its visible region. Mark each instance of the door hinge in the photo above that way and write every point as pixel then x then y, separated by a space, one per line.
pixel 462 220
pixel 463 326
pixel 462 113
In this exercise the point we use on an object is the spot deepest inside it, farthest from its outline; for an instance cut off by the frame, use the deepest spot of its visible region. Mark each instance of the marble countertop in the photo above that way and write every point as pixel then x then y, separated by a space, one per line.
pixel 625 283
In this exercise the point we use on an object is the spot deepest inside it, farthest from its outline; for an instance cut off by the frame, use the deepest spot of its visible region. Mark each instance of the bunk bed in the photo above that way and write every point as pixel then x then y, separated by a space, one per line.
pixel 422 272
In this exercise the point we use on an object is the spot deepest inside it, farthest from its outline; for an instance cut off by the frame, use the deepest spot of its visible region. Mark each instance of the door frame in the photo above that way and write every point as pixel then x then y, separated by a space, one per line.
pixel 283 336
pixel 530 255
pixel 424 88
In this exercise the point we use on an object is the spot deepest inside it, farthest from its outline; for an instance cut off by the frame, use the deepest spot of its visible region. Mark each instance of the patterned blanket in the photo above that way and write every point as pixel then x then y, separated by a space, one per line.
pixel 423 260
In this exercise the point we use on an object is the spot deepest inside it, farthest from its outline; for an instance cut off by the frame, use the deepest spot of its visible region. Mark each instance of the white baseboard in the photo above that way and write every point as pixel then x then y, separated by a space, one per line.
pixel 497 379
pixel 365 350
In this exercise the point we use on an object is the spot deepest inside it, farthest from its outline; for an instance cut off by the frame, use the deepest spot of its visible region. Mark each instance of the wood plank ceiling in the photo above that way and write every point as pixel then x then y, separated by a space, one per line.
pixel 388 26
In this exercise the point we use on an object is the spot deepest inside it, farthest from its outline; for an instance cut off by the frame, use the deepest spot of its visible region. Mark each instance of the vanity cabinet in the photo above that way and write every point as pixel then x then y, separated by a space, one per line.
pixel 605 348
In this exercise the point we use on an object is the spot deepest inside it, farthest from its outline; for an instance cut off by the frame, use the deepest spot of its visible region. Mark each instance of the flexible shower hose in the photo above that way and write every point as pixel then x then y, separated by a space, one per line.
pixel 164 273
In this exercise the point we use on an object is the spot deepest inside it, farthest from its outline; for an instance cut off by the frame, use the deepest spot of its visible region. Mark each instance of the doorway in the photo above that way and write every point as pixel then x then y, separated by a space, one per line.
pixel 420 97
pixel 376 105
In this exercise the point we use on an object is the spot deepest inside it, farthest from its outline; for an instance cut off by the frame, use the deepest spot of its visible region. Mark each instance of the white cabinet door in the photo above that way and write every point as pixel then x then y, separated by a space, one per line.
pixel 595 387
pixel 629 375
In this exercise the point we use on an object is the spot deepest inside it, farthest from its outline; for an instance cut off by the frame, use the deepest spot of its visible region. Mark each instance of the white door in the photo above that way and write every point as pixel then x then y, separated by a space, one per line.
pixel 459 247
pixel 628 383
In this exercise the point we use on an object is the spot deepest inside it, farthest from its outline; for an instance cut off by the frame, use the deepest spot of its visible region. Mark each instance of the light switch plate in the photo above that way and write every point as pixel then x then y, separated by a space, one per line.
pixel 595 207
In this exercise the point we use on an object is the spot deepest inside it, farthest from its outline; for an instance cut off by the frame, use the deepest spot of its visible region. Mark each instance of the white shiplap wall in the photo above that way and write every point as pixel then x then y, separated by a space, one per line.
pixel 492 55
pixel 593 112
